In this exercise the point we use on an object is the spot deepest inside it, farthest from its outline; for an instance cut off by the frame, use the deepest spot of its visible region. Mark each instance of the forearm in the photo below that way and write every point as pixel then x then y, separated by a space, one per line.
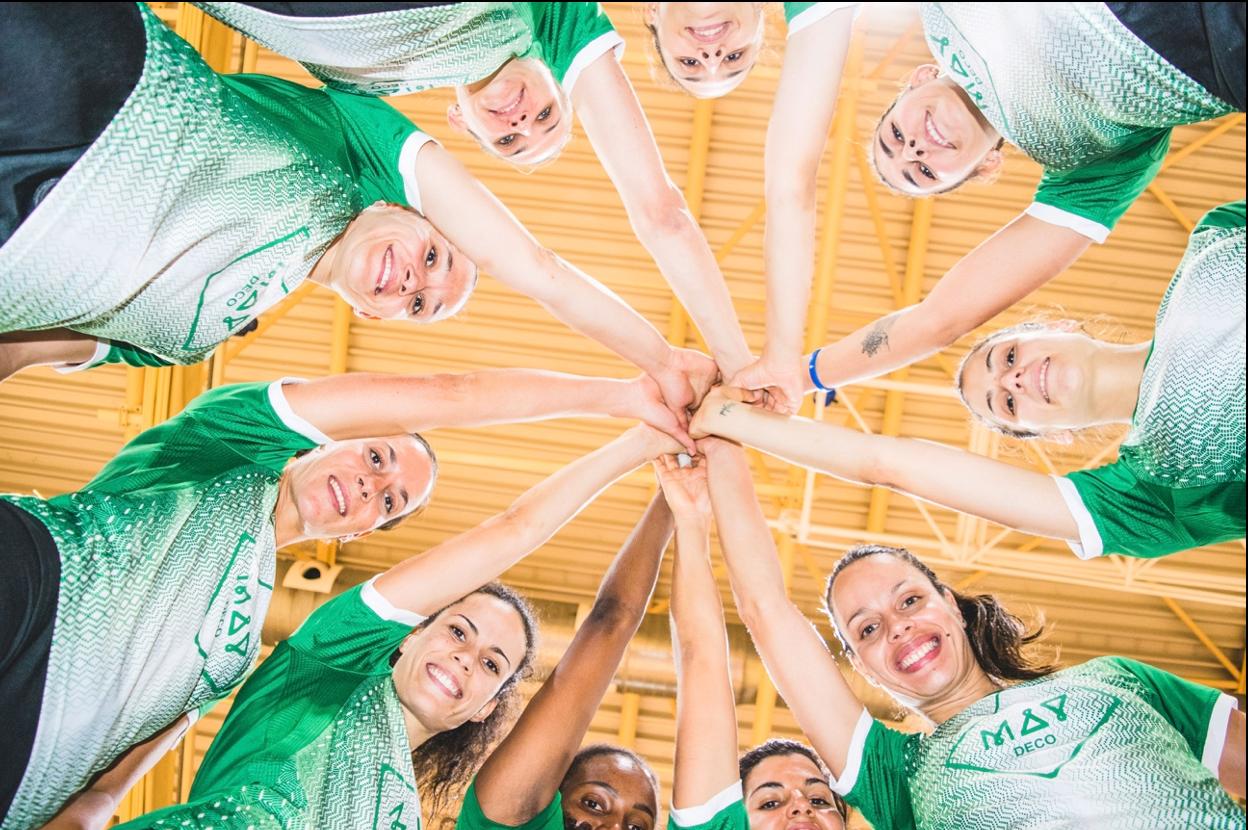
pixel 789 248
pixel 1231 769
pixel 52 347
pixel 624 594
pixel 891 342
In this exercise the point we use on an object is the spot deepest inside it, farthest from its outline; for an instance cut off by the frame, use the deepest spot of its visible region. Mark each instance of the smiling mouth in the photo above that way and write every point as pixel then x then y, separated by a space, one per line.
pixel 387 266
pixel 934 135
pixel 444 681
pixel 708 34
pixel 511 106
pixel 917 654
pixel 1044 380
pixel 340 498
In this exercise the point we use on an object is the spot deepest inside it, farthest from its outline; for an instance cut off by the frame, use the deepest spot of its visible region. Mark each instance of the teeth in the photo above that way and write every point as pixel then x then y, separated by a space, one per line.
pixel 932 134
pixel 444 679
pixel 918 654
pixel 388 261
pixel 1044 380
pixel 342 502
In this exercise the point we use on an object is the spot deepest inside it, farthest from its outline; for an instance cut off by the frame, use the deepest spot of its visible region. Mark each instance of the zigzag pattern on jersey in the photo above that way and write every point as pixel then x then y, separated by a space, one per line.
pixel 1065 82
pixel 1127 770
pixel 141 241
pixel 147 582
pixel 1189 423
pixel 394 52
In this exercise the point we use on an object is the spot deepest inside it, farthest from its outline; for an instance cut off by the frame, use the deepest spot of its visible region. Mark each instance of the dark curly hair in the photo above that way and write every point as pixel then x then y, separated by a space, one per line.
pixel 998 638
pixel 783 746
pixel 445 763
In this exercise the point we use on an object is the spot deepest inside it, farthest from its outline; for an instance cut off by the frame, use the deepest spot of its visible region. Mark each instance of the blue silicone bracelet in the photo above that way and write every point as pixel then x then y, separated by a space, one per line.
pixel 814 375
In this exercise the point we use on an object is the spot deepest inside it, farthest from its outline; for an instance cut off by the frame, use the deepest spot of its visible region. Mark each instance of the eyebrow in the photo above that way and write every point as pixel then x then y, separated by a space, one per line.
pixel 884 146
pixel 645 808
pixel 988 393
pixel 861 611
pixel 471 624
pixel 555 124
pixel 905 174
pixel 437 308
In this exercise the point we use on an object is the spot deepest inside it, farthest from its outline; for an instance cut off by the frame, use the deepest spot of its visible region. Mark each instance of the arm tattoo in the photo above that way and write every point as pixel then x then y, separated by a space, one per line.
pixel 877 338
pixel 726 408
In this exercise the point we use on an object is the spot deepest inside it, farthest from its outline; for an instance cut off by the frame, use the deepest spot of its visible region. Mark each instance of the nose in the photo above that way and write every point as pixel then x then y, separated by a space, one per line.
pixel 898 628
pixel 464 661
pixel 913 150
pixel 800 805
pixel 713 57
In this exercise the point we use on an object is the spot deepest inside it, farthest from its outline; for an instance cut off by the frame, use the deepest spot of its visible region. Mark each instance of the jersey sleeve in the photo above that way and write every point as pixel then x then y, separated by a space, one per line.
pixel 112 352
pixel 356 631
pixel 1117 511
pixel 572 36
pixel 725 811
pixel 1198 713
pixel 384 144
pixel 1092 198
pixel 472 818
pixel 801 16
pixel 874 778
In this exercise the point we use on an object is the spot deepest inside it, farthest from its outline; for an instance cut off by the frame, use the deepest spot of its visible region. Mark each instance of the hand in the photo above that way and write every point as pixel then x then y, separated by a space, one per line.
pixel 716 403
pixel 88 810
pixel 652 443
pixel 783 382
pixel 643 401
pixel 685 489
pixel 684 379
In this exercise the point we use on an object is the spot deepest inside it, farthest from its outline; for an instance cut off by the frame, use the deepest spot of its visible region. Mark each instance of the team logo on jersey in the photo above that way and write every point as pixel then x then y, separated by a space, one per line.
pixel 229 637
pixel 965 65
pixel 397 807
pixel 1032 737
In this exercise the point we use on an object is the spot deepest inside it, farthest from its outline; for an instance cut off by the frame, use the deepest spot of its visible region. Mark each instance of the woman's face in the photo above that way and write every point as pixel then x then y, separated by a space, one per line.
pixel 349 488
pixel 609 792
pixel 518 114
pixel 906 636
pixel 933 138
pixel 1034 381
pixel 451 671
pixel 392 264
pixel 788 792
pixel 708 48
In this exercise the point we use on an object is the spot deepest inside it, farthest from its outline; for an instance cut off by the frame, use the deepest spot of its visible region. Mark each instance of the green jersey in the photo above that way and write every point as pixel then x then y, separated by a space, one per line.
pixel 389 52
pixel 1077 91
pixel 802 15
pixel 1110 744
pixel 726 811
pixel 204 202
pixel 167 560
pixel 568 37
pixel 316 737
pixel 1178 482
pixel 471 817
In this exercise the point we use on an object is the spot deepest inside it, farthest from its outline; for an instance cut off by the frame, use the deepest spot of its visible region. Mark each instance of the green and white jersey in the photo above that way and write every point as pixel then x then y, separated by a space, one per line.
pixel 315 738
pixel 389 52
pixel 471 817
pixel 1178 482
pixel 1075 90
pixel 726 811
pixel 167 560
pixel 205 201
pixel 1111 744
pixel 803 15
pixel 568 37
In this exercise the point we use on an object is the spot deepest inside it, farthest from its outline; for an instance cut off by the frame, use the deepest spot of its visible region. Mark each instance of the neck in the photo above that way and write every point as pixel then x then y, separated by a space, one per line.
pixel 1117 373
pixel 287 530
pixel 977 686
pixel 325 265
pixel 417 733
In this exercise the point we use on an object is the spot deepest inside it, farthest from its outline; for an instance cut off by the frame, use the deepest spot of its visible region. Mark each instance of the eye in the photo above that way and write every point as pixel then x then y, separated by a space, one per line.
pixel 769 805
pixel 431 258
pixel 1009 356
pixel 927 172
pixel 544 114
pixel 590 802
pixel 733 57
pixel 896 132
pixel 418 304
pixel 389 502
pixel 819 801
pixel 1009 403
pixel 867 631
pixel 491 665
pixel 632 826
pixel 507 140
pixel 375 457
pixel 909 601
pixel 456 632
pixel 689 63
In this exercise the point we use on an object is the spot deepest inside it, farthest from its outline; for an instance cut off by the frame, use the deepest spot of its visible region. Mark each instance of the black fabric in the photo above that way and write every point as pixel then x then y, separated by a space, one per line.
pixel 1203 40
pixel 65 70
pixel 335 9
pixel 30 578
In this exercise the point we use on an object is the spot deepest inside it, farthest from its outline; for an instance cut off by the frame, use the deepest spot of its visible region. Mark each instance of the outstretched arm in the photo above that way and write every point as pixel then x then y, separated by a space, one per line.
pixel 1004 269
pixel 961 480
pixel 432 580
pixel 477 223
pixel 360 405
pixel 798 661
pixel 1231 765
pixel 522 775
pixel 800 118
pixel 617 127
pixel 52 347
pixel 706 715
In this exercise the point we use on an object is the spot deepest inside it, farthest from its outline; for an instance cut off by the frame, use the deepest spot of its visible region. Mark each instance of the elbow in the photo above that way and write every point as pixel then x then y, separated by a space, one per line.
pixel 799 192
pixel 615 615
pixel 663 212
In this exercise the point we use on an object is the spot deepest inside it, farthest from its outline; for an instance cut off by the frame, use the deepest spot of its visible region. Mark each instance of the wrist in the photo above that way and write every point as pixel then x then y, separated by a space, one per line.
pixel 616 398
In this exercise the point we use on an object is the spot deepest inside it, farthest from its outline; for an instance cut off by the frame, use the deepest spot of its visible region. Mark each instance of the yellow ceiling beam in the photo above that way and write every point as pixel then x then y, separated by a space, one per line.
pixel 1205 639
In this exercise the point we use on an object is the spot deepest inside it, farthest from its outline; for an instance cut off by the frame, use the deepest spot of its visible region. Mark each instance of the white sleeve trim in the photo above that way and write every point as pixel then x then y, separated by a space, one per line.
pixel 590 52
pixel 693 816
pixel 382 607
pixel 1215 741
pixel 844 785
pixel 277 399
pixel 1056 216
pixel 101 352
pixel 407 166
pixel 1090 544
pixel 808 17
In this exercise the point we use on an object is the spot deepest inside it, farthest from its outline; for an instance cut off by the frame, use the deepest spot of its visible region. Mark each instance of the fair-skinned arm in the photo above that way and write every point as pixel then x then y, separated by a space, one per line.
pixel 607 105
pixel 798 661
pixel 800 119
pixel 954 478
pixel 477 223
pixel 362 405
pixel 49 347
pixel 1231 766
pixel 706 715
pixel 522 775
pixel 92 807
pixel 432 580
pixel 1004 269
